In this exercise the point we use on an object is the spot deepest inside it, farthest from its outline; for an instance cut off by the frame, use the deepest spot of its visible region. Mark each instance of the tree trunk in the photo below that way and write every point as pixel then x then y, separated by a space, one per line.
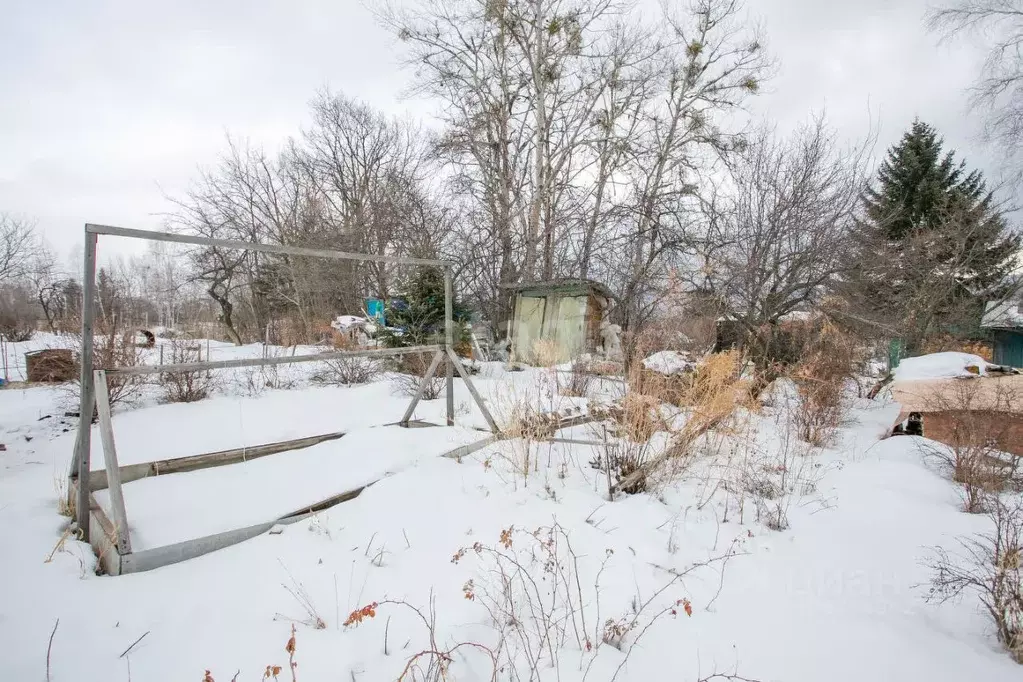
pixel 226 308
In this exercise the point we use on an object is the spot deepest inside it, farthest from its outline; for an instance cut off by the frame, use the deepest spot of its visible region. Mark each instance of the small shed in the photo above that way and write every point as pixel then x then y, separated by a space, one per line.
pixel 1003 320
pixel 568 312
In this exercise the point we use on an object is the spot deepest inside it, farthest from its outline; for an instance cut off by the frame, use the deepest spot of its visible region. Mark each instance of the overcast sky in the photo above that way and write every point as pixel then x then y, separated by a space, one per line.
pixel 106 106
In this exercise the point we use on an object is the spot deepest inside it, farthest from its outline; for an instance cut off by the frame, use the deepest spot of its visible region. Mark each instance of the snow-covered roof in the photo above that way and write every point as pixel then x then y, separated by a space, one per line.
pixel 1003 315
pixel 941 366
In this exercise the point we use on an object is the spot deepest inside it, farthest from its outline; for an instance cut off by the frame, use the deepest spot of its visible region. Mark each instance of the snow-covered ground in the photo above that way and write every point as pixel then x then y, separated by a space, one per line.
pixel 837 595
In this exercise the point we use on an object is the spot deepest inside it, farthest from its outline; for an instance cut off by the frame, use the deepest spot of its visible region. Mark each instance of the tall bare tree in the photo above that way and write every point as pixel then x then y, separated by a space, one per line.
pixel 574 131
pixel 18 245
pixel 998 91
pixel 778 227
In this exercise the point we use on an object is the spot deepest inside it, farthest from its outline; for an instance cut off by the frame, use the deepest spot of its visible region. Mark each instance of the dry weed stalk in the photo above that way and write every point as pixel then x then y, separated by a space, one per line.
pixel 530 417
pixel 576 382
pixel 531 584
pixel 433 663
pixel 298 592
pixel 269 377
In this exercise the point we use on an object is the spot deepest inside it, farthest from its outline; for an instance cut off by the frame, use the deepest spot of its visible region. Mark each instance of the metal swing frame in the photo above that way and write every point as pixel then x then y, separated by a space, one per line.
pixel 110 537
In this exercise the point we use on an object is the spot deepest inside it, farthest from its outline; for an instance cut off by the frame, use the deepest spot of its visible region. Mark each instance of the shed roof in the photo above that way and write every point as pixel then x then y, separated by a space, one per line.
pixel 1006 314
pixel 565 285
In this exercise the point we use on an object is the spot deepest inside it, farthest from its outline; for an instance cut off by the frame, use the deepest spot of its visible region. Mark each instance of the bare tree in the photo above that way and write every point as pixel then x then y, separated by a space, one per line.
pixel 998 91
pixel 777 229
pixel 17 246
pixel 711 62
pixel 575 132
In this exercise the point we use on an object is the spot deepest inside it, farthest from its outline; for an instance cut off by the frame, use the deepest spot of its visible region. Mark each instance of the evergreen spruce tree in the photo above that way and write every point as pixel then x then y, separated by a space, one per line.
pixel 417 316
pixel 932 244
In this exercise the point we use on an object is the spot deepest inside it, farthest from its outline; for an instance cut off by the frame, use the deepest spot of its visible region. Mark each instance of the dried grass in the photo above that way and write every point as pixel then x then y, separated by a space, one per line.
pixel 546 353
pixel 708 397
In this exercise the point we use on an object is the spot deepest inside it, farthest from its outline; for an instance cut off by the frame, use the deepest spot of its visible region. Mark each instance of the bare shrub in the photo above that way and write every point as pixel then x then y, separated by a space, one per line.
pixel 577 381
pixel 830 359
pixel 17 315
pixel 990 565
pixel 188 386
pixel 819 410
pixel 542 597
pixel 347 371
pixel 973 418
pixel 946 342
pixel 692 328
pixel 411 370
pixel 113 349
pixel 268 377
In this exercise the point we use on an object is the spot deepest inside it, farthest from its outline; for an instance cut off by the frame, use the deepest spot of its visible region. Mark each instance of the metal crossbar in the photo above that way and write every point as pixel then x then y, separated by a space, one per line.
pixel 261 362
pixel 256 246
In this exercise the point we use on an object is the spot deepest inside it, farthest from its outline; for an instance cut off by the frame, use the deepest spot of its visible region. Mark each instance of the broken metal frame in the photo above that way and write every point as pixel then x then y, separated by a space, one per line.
pixel 111 539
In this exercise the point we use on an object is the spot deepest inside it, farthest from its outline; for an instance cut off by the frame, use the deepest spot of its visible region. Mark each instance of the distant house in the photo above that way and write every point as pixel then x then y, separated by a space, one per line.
pixel 1004 322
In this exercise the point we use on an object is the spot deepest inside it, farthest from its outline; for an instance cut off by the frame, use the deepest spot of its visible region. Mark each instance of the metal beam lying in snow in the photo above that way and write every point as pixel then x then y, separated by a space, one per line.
pixel 134 472
pixel 148 559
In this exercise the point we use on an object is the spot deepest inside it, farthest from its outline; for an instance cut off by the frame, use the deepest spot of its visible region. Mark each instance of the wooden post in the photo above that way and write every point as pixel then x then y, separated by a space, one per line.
pixel 453 360
pixel 437 357
pixel 449 344
pixel 83 449
pixel 106 433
